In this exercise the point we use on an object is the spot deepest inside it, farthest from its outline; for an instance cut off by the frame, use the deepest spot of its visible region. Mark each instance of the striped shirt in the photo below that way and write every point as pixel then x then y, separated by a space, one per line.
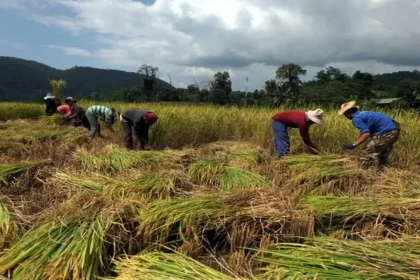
pixel 101 112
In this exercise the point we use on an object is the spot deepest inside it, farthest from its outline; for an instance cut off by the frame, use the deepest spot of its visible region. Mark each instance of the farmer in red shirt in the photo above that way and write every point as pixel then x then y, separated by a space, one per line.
pixel 296 119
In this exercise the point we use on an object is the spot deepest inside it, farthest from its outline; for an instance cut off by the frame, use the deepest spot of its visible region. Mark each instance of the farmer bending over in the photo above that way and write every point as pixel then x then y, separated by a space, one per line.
pixel 77 113
pixel 140 121
pixel 95 112
pixel 296 119
pixel 381 129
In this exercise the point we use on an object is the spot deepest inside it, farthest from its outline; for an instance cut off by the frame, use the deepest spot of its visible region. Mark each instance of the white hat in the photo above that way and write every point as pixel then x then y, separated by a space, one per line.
pixel 49 96
pixel 317 116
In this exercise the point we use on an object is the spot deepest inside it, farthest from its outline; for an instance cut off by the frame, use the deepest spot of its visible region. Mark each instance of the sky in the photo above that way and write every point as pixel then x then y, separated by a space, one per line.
pixel 190 40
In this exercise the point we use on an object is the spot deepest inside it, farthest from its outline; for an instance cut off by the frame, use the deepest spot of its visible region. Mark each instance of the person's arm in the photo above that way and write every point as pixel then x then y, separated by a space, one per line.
pixel 304 134
pixel 142 134
pixel 364 131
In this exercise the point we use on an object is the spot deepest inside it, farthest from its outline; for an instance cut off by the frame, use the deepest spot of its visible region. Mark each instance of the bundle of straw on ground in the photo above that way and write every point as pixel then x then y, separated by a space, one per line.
pixel 11 170
pixel 68 242
pixel 400 215
pixel 158 265
pixel 328 258
pixel 324 175
pixel 9 229
pixel 218 217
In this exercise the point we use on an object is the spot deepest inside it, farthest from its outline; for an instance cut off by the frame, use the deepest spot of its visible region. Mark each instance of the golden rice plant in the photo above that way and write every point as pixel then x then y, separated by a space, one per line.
pixel 57 86
pixel 8 170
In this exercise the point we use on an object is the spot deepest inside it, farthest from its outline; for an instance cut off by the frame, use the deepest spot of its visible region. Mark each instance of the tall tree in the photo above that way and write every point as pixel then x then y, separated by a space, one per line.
pixel 288 76
pixel 149 73
pixel 331 74
pixel 221 86
pixel 274 91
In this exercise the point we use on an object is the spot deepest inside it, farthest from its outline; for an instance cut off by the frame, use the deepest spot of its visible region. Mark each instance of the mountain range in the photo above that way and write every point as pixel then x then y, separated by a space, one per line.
pixel 26 80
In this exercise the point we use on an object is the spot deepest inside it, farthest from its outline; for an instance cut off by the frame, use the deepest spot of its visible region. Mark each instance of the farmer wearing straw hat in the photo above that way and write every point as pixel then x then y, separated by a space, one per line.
pixel 382 130
pixel 280 122
pixel 51 103
pixel 140 120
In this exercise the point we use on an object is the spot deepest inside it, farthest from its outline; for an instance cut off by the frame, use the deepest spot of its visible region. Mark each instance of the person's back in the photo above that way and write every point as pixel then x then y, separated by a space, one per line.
pixel 291 118
pixel 134 115
pixel 373 122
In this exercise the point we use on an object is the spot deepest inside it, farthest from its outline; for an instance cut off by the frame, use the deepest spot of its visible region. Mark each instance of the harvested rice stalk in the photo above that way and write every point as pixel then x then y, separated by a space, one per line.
pixel 68 244
pixel 322 174
pixel 191 216
pixel 160 185
pixel 8 226
pixel 13 169
pixel 75 182
pixel 237 178
pixel 328 258
pixel 118 160
pixel 162 215
pixel 157 265
pixel 208 171
pixel 351 207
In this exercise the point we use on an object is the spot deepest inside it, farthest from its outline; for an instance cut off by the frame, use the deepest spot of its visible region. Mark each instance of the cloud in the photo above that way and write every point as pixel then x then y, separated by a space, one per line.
pixel 192 39
pixel 74 51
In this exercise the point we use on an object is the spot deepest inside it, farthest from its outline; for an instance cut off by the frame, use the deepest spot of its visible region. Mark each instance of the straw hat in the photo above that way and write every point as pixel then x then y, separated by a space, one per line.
pixel 317 116
pixel 347 106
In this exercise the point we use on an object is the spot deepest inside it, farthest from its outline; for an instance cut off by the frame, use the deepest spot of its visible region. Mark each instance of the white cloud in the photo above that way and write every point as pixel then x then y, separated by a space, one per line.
pixel 75 51
pixel 191 39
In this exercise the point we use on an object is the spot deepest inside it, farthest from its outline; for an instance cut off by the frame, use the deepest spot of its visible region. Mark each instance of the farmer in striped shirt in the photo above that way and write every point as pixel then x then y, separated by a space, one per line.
pixel 96 112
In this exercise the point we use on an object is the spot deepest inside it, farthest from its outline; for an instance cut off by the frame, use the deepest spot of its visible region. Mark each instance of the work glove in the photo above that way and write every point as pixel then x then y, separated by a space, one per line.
pixel 347 146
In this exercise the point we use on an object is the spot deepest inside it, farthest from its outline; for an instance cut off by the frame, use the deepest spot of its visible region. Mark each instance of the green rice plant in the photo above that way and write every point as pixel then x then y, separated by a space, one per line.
pixel 237 178
pixel 158 265
pixel 328 258
pixel 13 169
pixel 207 171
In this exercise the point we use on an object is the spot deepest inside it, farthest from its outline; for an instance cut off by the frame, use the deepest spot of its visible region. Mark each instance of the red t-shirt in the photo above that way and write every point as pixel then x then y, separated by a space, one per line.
pixel 295 119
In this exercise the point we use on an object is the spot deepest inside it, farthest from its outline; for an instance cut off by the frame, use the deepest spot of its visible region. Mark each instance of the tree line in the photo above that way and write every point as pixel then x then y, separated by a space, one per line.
pixel 329 86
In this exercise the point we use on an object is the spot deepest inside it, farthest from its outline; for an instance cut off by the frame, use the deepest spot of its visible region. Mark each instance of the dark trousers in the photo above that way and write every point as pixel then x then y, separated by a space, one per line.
pixel 128 134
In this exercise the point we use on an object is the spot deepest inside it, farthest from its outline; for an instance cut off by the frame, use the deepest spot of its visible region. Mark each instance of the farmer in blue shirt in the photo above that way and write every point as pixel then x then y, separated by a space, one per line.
pixel 381 129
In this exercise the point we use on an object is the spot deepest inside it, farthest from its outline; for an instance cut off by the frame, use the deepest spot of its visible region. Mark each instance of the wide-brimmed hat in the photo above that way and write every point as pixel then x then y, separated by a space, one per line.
pixel 70 99
pixel 49 96
pixel 317 116
pixel 347 106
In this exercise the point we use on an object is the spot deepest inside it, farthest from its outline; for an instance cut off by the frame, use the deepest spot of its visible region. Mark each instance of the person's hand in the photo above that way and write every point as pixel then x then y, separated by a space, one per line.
pixel 347 146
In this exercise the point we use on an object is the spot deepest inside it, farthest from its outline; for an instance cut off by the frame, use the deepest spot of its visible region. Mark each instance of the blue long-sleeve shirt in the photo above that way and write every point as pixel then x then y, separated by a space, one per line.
pixel 373 122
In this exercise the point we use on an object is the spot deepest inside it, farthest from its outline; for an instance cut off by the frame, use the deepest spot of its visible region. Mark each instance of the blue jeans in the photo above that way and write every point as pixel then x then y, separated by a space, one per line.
pixel 281 138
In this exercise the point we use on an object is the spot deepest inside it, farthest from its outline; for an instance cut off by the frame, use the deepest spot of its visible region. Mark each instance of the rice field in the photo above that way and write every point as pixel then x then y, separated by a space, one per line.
pixel 210 201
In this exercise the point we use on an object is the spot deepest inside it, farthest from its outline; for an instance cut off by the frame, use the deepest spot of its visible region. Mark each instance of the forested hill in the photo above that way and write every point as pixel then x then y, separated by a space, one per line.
pixel 393 79
pixel 26 80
